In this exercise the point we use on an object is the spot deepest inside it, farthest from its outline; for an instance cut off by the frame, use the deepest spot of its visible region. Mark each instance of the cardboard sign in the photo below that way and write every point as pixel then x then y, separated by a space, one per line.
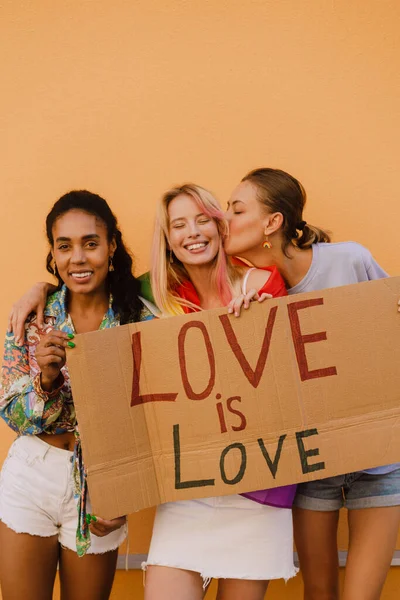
pixel 298 388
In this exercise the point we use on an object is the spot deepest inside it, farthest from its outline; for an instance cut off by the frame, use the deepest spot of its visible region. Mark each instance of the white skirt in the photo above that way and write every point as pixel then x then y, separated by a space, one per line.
pixel 227 537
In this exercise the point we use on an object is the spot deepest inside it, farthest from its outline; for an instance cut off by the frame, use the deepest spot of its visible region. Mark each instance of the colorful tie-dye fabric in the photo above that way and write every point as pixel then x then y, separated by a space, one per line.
pixel 29 410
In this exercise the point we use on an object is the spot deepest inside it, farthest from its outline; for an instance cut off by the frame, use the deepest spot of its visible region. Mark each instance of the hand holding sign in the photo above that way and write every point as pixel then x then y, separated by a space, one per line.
pixel 243 300
pixel 206 404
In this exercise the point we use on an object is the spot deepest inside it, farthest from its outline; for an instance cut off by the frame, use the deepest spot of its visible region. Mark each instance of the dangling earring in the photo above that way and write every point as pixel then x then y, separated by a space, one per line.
pixel 110 264
pixel 266 243
pixel 55 268
pixel 171 256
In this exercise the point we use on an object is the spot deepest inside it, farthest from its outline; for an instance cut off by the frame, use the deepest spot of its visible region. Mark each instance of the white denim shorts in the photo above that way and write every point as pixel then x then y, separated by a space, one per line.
pixel 229 537
pixel 36 495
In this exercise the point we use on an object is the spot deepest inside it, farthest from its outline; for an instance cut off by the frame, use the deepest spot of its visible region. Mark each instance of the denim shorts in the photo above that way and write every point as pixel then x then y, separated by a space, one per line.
pixel 352 491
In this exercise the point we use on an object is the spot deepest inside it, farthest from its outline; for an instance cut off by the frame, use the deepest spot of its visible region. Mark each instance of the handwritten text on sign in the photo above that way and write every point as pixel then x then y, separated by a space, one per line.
pixel 253 376
pixel 297 388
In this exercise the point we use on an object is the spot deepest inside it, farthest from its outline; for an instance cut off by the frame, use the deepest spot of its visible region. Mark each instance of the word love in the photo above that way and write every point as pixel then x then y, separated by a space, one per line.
pixel 272 462
pixel 253 375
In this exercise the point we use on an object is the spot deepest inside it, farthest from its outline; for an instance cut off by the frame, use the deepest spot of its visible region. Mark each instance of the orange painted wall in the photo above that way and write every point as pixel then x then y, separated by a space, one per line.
pixel 129 586
pixel 127 98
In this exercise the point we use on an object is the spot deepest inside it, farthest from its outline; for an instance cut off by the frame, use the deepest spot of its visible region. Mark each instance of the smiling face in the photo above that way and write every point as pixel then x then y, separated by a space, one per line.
pixel 81 251
pixel 193 236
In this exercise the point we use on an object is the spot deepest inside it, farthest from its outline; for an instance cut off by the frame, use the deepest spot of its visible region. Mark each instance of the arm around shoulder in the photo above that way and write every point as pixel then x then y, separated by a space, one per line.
pixel 257 280
pixel 33 301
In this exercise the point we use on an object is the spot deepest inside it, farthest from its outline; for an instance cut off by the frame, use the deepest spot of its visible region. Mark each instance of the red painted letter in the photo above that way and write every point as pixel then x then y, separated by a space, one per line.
pixel 253 376
pixel 300 340
pixel 221 416
pixel 190 393
pixel 238 413
pixel 137 361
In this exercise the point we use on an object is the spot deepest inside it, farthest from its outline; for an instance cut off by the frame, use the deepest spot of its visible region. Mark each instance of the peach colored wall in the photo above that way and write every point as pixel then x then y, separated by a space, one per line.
pixel 128 586
pixel 126 98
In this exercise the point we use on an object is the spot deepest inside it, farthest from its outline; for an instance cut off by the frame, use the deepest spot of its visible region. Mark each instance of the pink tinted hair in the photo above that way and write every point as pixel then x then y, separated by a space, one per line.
pixel 165 276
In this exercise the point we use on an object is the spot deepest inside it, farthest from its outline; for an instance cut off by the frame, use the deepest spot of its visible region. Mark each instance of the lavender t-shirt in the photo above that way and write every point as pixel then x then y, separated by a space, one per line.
pixel 338 264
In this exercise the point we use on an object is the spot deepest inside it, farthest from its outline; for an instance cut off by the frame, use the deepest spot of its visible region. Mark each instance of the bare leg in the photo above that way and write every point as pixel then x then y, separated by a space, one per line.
pixel 28 565
pixel 167 583
pixel 315 535
pixel 373 533
pixel 238 589
pixel 87 578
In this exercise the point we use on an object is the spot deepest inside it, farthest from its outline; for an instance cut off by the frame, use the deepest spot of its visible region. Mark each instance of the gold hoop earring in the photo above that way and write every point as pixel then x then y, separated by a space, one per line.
pixel 55 268
pixel 110 265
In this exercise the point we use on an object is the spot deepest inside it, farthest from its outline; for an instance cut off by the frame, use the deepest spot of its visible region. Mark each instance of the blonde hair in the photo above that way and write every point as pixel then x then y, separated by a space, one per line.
pixel 166 276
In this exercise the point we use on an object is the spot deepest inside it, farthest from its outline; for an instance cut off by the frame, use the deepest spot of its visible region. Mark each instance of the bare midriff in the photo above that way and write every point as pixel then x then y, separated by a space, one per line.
pixel 65 441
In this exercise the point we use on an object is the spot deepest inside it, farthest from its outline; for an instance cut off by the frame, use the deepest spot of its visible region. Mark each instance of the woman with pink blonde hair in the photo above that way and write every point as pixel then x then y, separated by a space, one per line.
pixel 242 540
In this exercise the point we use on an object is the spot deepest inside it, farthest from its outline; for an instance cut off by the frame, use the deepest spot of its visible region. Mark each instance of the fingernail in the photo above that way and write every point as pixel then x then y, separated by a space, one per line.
pixel 88 519
pixel 230 310
pixel 71 345
pixel 236 314
pixel 70 336
pixel 94 519
pixel 18 341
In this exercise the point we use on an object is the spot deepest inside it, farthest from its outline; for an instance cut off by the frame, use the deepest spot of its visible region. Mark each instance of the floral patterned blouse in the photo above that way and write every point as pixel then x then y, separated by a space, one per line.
pixel 29 410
